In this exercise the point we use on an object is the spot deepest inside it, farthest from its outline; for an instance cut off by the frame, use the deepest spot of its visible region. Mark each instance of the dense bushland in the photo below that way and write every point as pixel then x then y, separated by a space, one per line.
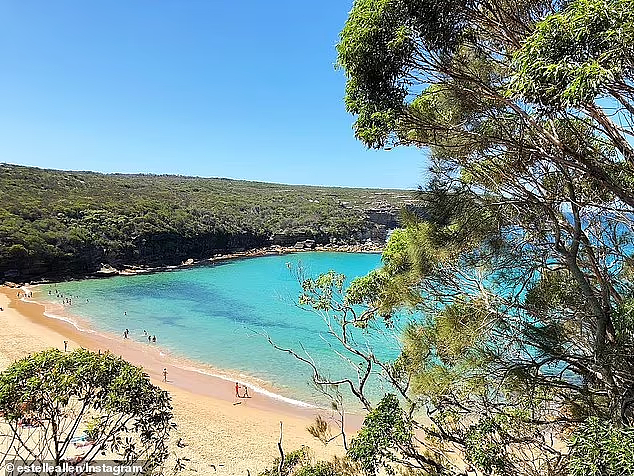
pixel 69 223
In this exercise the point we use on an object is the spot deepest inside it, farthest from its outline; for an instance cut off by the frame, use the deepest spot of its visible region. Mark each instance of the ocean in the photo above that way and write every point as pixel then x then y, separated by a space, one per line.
pixel 220 316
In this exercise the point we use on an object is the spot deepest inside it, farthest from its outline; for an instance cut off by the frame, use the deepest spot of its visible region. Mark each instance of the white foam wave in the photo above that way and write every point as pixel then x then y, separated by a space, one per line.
pixel 70 321
pixel 48 311
pixel 256 388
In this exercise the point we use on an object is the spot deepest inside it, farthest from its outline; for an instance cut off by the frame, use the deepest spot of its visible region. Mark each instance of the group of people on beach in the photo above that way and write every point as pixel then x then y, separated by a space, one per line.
pixel 25 294
pixel 65 299
pixel 150 338
pixel 246 391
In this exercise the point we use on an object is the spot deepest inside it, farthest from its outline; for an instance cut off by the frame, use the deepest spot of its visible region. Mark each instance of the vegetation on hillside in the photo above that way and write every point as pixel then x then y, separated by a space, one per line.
pixel 65 223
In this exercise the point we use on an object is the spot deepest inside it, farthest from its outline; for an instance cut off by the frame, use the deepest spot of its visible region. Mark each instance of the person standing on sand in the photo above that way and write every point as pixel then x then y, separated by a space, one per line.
pixel 65 346
pixel 164 375
pixel 246 392
pixel 237 390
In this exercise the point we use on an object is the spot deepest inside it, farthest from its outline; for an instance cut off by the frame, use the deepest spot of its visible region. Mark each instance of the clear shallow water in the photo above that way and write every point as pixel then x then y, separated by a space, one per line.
pixel 220 315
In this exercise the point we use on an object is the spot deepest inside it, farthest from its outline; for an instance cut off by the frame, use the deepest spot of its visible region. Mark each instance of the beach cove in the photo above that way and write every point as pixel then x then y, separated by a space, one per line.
pixel 232 437
pixel 217 319
pixel 234 434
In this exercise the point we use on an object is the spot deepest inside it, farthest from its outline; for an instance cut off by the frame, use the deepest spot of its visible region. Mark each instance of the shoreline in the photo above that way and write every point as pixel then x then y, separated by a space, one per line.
pixel 184 372
pixel 272 250
pixel 155 352
pixel 188 386
pixel 108 271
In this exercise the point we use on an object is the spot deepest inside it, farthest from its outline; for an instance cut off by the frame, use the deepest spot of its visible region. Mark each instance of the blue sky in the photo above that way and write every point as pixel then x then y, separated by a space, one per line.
pixel 244 90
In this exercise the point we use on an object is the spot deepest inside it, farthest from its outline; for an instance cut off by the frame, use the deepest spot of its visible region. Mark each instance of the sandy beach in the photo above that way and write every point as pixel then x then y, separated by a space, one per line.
pixel 236 436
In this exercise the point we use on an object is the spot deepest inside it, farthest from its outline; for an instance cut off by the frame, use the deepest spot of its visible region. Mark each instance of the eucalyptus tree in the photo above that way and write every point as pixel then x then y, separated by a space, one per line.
pixel 520 265
pixel 81 407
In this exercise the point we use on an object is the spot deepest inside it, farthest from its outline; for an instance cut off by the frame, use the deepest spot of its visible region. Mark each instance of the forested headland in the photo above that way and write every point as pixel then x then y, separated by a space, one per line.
pixel 59 223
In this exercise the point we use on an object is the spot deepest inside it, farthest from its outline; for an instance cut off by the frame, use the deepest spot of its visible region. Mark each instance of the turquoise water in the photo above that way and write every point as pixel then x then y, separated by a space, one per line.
pixel 220 315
